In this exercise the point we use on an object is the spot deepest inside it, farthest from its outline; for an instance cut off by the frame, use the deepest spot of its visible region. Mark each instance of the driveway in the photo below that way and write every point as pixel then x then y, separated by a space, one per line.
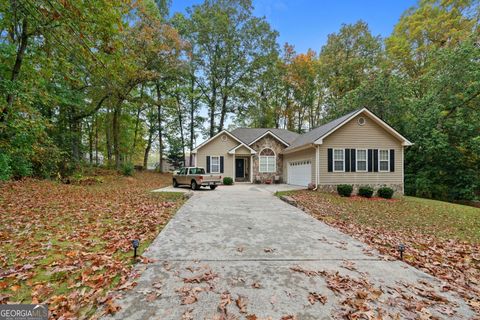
pixel 240 251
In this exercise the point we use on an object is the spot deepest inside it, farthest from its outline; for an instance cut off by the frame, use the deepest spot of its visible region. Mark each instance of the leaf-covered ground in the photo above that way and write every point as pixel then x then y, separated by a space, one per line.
pixel 441 238
pixel 68 245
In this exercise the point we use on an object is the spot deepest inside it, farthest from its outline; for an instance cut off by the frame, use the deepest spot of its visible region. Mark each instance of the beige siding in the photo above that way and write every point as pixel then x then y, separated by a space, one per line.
pixel 242 150
pixel 218 147
pixel 368 136
pixel 306 154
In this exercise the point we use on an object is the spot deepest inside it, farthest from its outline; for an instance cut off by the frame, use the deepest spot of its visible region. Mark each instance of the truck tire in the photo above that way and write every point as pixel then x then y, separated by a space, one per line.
pixel 194 185
pixel 175 184
pixel 213 187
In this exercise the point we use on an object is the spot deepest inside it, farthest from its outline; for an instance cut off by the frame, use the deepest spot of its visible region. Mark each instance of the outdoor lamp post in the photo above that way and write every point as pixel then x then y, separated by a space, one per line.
pixel 401 249
pixel 135 244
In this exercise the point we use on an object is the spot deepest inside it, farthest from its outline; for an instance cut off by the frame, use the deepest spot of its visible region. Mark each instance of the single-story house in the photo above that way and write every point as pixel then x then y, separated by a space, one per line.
pixel 358 148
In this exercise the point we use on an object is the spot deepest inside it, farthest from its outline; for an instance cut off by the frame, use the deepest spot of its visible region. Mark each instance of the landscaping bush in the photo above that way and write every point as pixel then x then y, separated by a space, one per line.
pixel 227 181
pixel 365 191
pixel 127 169
pixel 345 190
pixel 385 192
pixel 5 169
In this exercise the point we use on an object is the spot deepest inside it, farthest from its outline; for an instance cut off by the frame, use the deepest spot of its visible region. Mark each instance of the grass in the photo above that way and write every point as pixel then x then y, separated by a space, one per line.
pixel 441 238
pixel 69 245
pixel 410 214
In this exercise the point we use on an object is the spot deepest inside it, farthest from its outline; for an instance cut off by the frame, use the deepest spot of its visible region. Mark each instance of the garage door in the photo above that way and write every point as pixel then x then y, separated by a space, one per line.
pixel 300 172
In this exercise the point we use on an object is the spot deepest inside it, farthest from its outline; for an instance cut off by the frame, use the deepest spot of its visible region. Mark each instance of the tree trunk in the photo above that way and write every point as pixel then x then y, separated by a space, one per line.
pixel 116 134
pixel 108 134
pixel 75 131
pixel 16 67
pixel 192 118
pixel 180 124
pixel 96 141
pixel 90 142
pixel 137 123
pixel 147 149
pixel 223 112
pixel 212 105
pixel 160 133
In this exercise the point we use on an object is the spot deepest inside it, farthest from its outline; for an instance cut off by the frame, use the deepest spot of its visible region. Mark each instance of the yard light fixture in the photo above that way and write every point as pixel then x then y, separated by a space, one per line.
pixel 401 249
pixel 135 244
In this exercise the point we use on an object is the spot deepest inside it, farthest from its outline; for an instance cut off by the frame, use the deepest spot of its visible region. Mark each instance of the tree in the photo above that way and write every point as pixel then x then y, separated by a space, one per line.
pixel 349 57
pixel 431 25
pixel 231 46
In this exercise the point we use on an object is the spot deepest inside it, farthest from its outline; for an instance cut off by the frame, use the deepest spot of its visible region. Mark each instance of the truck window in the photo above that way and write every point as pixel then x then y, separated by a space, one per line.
pixel 181 171
pixel 197 171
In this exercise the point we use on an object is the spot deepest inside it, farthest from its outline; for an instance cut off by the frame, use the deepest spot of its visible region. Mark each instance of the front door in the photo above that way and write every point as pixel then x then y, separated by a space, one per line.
pixel 239 168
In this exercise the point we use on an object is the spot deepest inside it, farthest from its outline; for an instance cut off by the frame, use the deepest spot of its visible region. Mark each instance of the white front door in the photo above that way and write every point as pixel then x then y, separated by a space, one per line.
pixel 300 172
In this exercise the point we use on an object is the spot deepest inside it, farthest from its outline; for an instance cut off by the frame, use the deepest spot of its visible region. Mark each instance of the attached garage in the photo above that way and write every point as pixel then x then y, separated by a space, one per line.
pixel 300 172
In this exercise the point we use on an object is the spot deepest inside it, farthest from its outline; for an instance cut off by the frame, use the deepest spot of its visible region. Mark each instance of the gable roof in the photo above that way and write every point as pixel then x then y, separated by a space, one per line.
pixel 250 135
pixel 227 133
pixel 318 134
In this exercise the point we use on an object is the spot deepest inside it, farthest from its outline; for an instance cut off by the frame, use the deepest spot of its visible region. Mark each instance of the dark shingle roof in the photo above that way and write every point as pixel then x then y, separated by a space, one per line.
pixel 248 135
pixel 295 140
pixel 317 133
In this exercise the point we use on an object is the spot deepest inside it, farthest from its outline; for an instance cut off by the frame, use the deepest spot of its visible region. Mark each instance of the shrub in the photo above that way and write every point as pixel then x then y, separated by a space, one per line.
pixel 5 169
pixel 127 169
pixel 365 191
pixel 227 181
pixel 345 190
pixel 385 192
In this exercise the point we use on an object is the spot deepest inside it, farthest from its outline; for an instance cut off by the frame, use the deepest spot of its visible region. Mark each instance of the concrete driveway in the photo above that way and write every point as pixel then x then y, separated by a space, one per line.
pixel 240 252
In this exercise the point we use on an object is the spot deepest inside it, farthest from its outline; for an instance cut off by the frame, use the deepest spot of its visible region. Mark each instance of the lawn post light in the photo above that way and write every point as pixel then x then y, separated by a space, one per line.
pixel 135 244
pixel 401 249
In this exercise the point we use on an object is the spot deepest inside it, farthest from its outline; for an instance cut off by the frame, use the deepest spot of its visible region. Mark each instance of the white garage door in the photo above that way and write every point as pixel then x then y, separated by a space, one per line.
pixel 300 172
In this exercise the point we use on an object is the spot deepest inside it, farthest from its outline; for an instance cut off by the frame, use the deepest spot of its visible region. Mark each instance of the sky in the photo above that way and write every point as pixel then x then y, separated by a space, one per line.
pixel 307 23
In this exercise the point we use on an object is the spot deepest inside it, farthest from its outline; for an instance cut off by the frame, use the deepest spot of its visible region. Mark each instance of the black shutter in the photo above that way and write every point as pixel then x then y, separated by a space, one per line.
pixel 370 160
pixel 208 164
pixel 392 160
pixel 221 164
pixel 353 164
pixel 330 159
pixel 347 160
pixel 375 160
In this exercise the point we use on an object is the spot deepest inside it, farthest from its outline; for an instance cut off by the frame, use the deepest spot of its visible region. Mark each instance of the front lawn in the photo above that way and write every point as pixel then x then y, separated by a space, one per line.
pixel 441 238
pixel 68 245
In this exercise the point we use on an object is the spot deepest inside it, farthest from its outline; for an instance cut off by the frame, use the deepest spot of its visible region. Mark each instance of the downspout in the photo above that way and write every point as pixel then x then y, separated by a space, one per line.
pixel 317 158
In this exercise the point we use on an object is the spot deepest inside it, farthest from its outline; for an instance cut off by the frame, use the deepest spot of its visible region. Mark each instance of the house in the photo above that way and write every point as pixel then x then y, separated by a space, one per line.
pixel 358 148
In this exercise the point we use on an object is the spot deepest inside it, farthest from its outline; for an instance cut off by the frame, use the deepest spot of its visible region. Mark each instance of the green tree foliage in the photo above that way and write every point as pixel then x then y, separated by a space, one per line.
pixel 139 80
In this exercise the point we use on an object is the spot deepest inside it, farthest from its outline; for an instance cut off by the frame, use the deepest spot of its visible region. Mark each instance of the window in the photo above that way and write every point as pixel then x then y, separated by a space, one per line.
pixel 362 160
pixel 197 171
pixel 215 164
pixel 267 161
pixel 338 160
pixel 383 161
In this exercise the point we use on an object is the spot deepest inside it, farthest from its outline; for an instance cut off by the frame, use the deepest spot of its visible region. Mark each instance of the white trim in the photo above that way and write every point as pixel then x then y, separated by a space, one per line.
pixel 271 133
pixel 211 162
pixel 388 165
pixel 343 160
pixel 379 121
pixel 218 134
pixel 366 160
pixel 274 161
pixel 403 171
pixel 251 169
pixel 232 151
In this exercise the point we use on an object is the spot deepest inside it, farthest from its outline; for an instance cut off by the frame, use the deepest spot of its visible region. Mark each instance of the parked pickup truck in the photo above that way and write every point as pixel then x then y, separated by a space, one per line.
pixel 195 177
